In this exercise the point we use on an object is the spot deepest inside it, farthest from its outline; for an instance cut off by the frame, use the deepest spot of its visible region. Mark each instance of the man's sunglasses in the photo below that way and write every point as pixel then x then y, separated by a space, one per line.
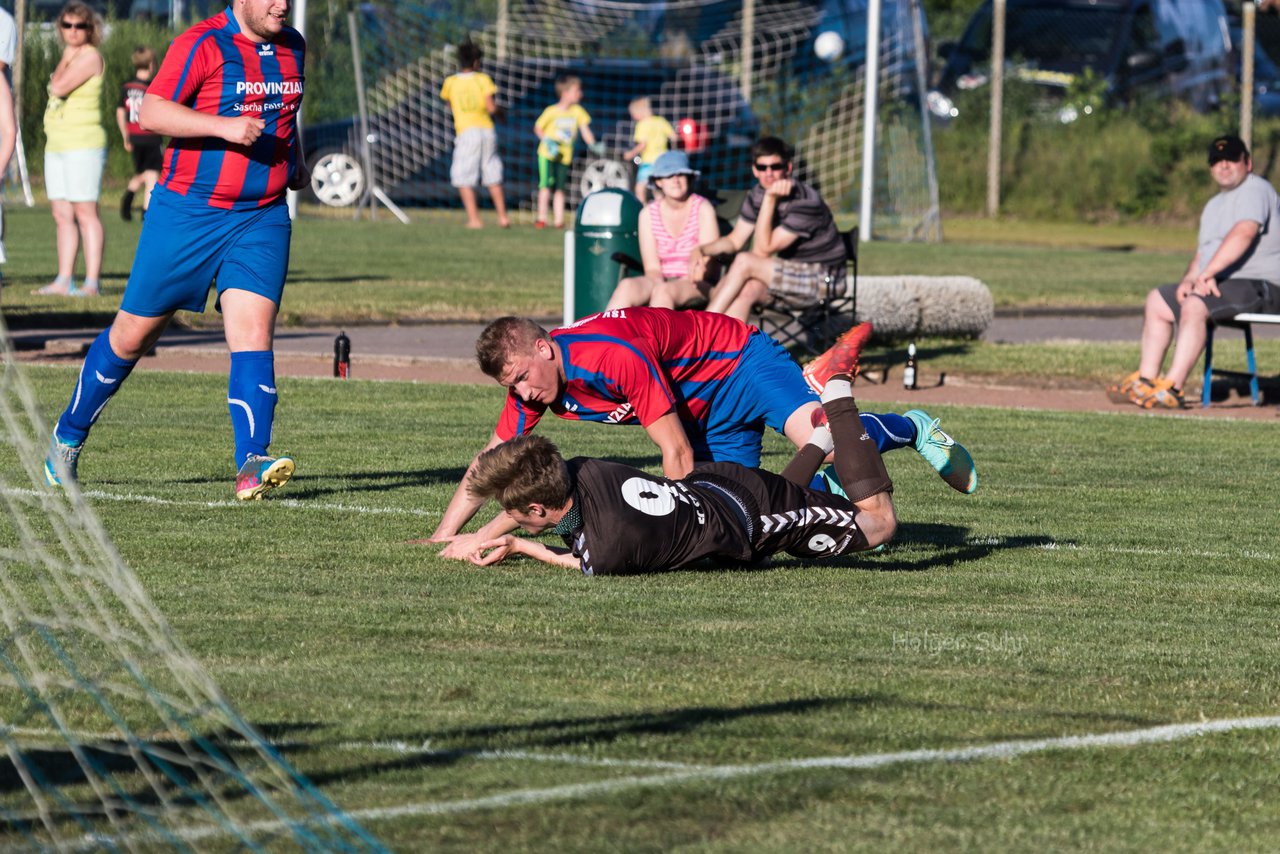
pixel 771 167
pixel 67 25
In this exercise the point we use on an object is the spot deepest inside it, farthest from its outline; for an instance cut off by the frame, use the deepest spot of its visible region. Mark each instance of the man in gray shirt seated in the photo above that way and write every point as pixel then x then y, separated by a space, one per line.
pixel 796 250
pixel 1236 268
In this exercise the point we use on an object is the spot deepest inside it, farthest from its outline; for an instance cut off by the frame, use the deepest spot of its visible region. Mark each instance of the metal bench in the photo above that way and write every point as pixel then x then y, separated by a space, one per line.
pixel 1243 322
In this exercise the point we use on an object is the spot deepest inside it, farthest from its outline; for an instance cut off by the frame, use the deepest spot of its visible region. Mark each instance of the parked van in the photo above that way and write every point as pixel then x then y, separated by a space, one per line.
pixel 1135 48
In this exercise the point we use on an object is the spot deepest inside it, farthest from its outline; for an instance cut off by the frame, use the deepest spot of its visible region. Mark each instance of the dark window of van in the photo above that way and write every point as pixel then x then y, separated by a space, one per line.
pixel 1046 35
pixel 1146 36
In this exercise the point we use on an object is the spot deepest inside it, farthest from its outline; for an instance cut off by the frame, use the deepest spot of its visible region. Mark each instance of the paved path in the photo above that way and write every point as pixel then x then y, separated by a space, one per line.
pixel 457 340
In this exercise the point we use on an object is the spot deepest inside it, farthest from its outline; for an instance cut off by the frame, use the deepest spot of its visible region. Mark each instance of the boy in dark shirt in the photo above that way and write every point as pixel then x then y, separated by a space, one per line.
pixel 796 249
pixel 147 148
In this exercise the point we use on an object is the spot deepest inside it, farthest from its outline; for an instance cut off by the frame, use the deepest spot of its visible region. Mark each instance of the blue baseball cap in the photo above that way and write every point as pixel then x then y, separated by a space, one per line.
pixel 672 163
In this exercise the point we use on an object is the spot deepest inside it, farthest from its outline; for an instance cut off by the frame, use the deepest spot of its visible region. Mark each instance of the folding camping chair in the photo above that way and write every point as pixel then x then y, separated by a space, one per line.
pixel 813 327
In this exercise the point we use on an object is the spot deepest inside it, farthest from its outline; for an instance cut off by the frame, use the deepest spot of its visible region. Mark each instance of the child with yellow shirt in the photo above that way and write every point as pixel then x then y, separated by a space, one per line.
pixel 653 136
pixel 557 129
pixel 470 94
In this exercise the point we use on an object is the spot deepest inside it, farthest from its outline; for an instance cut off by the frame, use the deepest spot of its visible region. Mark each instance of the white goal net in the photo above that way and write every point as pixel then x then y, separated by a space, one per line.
pixel 724 72
pixel 114 737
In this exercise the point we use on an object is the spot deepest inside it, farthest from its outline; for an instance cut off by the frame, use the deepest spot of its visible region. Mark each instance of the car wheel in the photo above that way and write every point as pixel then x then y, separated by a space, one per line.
pixel 599 174
pixel 337 178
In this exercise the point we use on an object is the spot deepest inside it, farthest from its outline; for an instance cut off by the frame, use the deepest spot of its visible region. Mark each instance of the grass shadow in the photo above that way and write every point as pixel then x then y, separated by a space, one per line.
pixel 950 546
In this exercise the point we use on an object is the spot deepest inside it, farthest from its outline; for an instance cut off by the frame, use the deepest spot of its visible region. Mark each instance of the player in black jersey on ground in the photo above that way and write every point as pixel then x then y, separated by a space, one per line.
pixel 617 519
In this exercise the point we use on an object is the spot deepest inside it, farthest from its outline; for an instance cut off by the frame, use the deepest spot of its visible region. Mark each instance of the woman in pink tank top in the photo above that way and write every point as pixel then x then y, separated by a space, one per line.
pixel 670 227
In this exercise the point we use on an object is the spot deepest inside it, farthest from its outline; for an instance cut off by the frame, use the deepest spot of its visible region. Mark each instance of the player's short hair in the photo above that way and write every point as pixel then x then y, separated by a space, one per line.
pixel 469 55
pixel 85 12
pixel 524 471
pixel 642 101
pixel 143 57
pixel 770 146
pixel 567 82
pixel 505 338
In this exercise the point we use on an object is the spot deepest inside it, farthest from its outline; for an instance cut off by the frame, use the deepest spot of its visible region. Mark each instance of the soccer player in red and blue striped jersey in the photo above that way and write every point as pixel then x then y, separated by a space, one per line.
pixel 704 386
pixel 228 96
pixel 217 69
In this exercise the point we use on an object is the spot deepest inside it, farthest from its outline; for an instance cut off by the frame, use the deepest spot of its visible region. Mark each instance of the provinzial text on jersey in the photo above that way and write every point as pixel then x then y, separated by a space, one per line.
pixel 271 87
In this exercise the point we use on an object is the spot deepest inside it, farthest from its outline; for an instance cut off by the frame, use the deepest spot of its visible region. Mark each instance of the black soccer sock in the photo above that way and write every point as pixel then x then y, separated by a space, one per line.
pixel 858 462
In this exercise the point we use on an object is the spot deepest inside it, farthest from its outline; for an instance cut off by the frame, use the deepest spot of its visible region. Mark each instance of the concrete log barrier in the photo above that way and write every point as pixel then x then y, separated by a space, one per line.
pixel 902 307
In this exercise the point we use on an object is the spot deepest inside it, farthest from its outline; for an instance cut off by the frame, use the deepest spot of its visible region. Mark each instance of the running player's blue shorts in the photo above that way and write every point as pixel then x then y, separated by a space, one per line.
pixel 185 248
pixel 763 391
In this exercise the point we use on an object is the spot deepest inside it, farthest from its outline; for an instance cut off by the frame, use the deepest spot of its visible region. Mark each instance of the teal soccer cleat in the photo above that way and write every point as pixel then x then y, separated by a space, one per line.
pixel 61 460
pixel 947 456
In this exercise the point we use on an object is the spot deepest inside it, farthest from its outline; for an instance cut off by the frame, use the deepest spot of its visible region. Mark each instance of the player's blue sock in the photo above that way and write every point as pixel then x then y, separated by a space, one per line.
pixel 101 376
pixel 251 399
pixel 890 432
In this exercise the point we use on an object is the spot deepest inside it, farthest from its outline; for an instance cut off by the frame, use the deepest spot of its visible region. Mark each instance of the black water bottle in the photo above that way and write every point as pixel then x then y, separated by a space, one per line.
pixel 342 356
pixel 909 372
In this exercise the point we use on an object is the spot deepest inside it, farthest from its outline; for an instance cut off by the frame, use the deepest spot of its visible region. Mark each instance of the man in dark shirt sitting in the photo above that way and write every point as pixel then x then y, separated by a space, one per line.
pixel 796 250
pixel 616 519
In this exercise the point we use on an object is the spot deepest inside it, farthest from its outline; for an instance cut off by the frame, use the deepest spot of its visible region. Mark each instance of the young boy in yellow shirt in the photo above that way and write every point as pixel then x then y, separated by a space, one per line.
pixel 557 129
pixel 470 94
pixel 653 136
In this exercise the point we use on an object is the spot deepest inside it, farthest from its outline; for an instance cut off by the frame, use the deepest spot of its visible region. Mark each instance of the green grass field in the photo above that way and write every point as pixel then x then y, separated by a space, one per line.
pixel 1114 573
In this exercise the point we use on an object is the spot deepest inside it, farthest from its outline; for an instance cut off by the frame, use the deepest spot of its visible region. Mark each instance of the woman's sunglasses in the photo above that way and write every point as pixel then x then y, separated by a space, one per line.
pixel 81 25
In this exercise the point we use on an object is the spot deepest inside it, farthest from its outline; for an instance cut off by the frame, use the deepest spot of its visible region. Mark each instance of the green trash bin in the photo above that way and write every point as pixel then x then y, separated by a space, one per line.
pixel 607 222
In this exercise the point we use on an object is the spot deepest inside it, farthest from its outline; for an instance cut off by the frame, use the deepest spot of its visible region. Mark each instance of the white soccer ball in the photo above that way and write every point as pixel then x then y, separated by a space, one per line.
pixel 828 46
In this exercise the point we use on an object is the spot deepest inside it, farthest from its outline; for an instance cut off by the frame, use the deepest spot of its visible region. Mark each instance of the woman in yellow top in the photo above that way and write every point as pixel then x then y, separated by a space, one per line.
pixel 76 149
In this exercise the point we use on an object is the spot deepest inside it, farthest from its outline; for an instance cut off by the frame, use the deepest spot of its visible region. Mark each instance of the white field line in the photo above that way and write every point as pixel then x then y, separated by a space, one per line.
pixel 1054 546
pixel 135 498
pixel 702 773
pixel 406 749
pixel 998 750
pixel 402 748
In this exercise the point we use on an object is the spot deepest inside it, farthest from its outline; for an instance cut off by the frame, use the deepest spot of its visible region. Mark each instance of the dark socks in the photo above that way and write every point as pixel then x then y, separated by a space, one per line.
pixel 858 463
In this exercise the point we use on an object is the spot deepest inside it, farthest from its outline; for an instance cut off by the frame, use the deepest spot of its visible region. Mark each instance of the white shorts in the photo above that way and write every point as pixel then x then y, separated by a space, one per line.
pixel 74 176
pixel 475 159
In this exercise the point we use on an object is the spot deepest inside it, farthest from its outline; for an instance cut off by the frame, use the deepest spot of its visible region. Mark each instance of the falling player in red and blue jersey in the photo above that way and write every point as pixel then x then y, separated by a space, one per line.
pixel 704 386
pixel 228 96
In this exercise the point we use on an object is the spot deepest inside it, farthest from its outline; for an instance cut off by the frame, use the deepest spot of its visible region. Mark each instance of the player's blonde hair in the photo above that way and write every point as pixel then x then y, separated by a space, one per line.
pixel 504 339
pixel 524 471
